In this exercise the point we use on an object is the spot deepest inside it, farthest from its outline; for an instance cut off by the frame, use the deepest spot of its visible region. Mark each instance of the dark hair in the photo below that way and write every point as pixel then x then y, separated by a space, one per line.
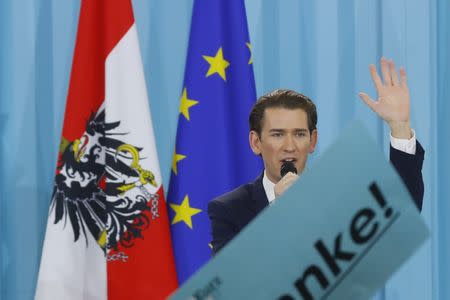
pixel 282 98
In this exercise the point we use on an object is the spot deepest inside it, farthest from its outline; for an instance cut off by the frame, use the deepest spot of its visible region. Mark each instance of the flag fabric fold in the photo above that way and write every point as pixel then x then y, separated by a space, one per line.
pixel 107 234
pixel 212 154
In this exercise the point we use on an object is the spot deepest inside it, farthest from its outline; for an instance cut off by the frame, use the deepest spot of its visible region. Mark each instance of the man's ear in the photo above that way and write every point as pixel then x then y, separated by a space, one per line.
pixel 313 143
pixel 255 142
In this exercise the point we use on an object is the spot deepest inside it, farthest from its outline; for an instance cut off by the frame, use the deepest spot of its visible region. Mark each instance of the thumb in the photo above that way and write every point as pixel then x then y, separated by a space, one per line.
pixel 369 101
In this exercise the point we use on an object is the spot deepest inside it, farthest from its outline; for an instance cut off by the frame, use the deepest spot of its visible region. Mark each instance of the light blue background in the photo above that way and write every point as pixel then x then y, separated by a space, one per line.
pixel 321 48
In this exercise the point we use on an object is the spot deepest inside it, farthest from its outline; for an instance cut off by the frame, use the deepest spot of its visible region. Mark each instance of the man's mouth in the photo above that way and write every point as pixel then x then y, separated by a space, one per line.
pixel 288 159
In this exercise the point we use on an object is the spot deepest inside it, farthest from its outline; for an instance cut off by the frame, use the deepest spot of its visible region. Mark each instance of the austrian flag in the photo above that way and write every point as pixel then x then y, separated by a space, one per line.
pixel 107 233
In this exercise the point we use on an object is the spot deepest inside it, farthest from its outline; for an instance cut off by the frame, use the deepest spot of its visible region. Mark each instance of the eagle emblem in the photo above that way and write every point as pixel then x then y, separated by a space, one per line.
pixel 101 188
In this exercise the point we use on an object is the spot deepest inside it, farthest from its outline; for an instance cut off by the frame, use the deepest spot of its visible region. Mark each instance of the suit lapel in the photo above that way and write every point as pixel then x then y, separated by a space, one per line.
pixel 258 195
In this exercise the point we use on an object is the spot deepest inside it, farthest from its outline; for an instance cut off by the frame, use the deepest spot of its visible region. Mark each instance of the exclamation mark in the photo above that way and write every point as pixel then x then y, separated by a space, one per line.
pixel 375 190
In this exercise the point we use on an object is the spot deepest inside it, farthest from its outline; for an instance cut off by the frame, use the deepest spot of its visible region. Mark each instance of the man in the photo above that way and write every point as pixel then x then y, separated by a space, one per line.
pixel 283 128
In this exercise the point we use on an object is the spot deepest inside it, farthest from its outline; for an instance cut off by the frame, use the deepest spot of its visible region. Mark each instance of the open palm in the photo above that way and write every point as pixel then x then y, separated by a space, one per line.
pixel 393 103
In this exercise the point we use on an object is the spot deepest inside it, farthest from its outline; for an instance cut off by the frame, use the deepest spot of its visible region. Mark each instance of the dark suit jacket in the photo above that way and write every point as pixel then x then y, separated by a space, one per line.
pixel 232 211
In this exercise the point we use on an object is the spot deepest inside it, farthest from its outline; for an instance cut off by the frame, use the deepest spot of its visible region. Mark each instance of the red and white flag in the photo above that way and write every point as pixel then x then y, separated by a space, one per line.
pixel 108 232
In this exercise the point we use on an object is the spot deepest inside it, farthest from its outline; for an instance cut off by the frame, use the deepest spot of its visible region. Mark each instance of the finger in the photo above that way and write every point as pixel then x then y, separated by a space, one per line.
pixel 393 72
pixel 385 71
pixel 403 78
pixel 289 183
pixel 284 183
pixel 375 78
pixel 291 175
pixel 292 178
pixel 288 178
pixel 370 103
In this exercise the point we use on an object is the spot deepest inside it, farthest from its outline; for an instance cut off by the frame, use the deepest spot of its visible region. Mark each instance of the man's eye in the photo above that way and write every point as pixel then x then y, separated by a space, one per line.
pixel 277 134
pixel 301 134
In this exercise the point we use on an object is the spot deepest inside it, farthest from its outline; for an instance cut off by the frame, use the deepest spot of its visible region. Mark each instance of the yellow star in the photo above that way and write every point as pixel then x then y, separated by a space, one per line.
pixel 175 160
pixel 249 46
pixel 184 212
pixel 217 64
pixel 186 104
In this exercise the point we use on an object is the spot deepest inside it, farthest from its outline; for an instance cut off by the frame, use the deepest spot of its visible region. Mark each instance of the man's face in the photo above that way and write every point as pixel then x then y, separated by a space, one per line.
pixel 284 136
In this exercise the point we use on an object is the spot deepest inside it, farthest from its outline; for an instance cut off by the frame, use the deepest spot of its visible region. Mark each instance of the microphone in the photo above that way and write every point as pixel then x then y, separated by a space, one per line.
pixel 286 167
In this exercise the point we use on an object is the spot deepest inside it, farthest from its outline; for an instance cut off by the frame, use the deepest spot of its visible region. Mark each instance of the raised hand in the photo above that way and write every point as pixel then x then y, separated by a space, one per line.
pixel 393 104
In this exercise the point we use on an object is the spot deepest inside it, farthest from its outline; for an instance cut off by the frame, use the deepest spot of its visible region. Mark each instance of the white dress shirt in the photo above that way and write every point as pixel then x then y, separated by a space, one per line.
pixel 404 145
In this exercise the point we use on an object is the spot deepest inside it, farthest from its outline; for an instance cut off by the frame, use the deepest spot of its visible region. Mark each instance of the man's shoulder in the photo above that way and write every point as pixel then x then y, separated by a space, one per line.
pixel 245 196
pixel 240 205
pixel 237 207
pixel 235 197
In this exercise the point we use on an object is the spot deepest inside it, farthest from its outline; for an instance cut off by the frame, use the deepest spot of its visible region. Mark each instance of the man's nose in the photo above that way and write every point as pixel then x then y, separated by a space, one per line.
pixel 289 144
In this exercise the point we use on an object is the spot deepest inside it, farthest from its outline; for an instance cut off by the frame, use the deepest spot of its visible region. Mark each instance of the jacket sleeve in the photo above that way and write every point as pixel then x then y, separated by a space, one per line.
pixel 222 227
pixel 409 167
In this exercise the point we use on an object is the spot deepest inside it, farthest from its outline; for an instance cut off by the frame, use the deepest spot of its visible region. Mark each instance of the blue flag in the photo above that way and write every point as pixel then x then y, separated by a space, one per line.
pixel 212 153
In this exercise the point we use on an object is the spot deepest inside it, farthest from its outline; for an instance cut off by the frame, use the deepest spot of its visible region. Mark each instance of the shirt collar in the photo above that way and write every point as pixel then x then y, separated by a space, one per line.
pixel 268 188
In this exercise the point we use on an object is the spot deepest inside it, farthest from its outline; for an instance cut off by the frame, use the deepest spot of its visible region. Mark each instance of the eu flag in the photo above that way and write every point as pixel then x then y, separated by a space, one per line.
pixel 212 153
